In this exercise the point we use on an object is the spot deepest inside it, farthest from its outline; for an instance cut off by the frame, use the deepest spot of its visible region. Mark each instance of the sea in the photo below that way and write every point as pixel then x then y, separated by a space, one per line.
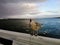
pixel 50 27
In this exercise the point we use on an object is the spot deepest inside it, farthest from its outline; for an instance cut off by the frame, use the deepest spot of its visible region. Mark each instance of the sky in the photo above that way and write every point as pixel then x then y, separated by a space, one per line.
pixel 29 8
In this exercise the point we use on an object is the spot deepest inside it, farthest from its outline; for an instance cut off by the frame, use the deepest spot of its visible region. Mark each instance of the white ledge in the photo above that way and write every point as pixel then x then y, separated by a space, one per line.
pixel 27 38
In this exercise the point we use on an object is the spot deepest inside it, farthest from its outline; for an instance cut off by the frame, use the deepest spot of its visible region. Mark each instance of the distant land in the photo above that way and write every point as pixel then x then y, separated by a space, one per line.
pixel 18 25
pixel 56 17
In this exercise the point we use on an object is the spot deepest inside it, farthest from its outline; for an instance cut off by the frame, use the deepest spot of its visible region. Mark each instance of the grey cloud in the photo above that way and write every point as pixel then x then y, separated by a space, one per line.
pixel 14 7
pixel 16 1
pixel 11 10
pixel 35 13
pixel 53 11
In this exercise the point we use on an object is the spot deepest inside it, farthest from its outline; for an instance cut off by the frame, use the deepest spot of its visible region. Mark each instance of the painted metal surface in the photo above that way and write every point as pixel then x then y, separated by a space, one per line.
pixel 27 39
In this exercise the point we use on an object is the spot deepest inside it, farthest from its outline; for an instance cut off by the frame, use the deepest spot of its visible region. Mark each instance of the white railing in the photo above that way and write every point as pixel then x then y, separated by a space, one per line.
pixel 27 39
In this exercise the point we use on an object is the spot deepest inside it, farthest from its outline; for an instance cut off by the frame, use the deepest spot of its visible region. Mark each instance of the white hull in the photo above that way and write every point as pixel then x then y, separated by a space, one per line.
pixel 27 39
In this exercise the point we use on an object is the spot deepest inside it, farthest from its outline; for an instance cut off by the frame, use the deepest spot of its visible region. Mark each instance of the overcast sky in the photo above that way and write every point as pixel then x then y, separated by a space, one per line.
pixel 29 8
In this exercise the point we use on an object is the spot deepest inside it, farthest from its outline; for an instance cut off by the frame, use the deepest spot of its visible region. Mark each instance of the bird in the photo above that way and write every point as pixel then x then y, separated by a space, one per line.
pixel 34 27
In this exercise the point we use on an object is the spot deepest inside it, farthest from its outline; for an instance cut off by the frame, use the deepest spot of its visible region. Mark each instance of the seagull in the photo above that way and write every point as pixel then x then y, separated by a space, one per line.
pixel 34 27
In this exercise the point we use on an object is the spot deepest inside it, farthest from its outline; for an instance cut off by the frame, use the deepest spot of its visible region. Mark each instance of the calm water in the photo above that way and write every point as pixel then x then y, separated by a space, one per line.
pixel 50 27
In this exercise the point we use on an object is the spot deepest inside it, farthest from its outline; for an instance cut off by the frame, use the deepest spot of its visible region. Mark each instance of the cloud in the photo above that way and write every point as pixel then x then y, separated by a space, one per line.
pixel 54 11
pixel 18 7
pixel 23 9
pixel 19 1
